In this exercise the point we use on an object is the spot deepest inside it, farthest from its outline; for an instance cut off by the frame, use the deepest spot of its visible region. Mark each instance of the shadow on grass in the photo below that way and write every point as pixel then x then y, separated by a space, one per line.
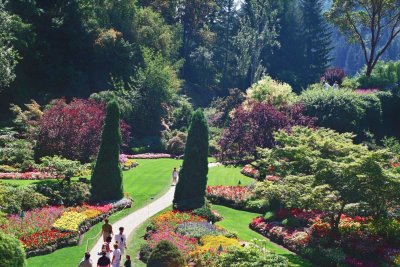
pixel 295 260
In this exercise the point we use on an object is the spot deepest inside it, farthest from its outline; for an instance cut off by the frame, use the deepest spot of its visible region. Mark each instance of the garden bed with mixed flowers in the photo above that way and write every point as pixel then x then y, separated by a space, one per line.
pixel 127 163
pixel 231 196
pixel 44 230
pixel 150 156
pixel 361 241
pixel 32 175
pixel 200 242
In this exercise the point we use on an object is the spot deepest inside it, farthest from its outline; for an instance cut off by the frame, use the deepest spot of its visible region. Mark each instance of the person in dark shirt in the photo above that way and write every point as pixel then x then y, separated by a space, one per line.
pixel 103 261
pixel 128 261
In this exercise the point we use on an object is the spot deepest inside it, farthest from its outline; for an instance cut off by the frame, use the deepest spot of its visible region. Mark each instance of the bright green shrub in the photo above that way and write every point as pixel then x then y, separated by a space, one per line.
pixel 71 195
pixel 11 251
pixel 270 216
pixel 255 255
pixel 165 254
pixel 341 110
pixel 16 199
pixel 384 75
pixel 272 92
pixel 387 228
pixel 207 213
pixel 107 174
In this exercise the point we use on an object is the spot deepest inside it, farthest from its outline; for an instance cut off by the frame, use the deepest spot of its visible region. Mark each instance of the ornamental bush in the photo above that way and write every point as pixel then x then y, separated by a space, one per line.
pixel 272 92
pixel 11 251
pixel 107 174
pixel 191 188
pixel 70 195
pixel 165 254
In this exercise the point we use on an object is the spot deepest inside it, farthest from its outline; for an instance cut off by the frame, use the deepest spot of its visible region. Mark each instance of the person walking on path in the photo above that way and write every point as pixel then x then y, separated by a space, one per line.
pixel 103 261
pixel 175 175
pixel 106 230
pixel 86 262
pixel 120 238
pixel 116 259
pixel 326 85
pixel 106 247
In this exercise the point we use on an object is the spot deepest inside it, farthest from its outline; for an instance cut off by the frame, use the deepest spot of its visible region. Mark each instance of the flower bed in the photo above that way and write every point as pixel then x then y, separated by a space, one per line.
pixel 233 196
pixel 150 156
pixel 127 163
pixel 27 175
pixel 308 234
pixel 42 231
pixel 199 242
pixel 249 171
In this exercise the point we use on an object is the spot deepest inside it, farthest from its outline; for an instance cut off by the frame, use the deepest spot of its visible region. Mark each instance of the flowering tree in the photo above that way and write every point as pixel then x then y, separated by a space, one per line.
pixel 253 125
pixel 72 130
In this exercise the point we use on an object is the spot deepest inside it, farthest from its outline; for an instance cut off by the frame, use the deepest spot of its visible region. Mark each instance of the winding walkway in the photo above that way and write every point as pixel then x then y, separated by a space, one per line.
pixel 133 220
pixel 136 218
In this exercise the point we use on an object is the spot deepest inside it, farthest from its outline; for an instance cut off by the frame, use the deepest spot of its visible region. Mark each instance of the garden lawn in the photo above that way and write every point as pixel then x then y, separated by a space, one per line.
pixel 19 182
pixel 227 175
pixel 151 178
pixel 238 221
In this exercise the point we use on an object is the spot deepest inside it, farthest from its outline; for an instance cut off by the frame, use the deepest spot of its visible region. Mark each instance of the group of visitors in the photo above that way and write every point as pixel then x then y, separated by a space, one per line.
pixel 326 85
pixel 110 257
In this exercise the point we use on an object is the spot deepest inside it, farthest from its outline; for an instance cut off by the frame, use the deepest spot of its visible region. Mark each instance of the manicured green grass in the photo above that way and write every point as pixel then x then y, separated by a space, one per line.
pixel 19 182
pixel 227 175
pixel 151 178
pixel 238 221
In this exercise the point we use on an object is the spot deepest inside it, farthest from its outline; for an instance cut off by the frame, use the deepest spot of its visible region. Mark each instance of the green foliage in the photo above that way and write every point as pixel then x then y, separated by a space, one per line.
pixel 8 55
pixel 322 169
pixel 156 84
pixel 107 174
pixel 325 256
pixel 190 190
pixel 17 199
pixel 15 152
pixel 270 216
pixel 207 213
pixel 120 95
pixel 176 145
pixel 181 114
pixel 70 195
pixel 341 110
pixel 11 251
pixel 165 254
pixel 61 166
pixel 254 255
pixel 272 92
pixel 389 228
pixel 384 75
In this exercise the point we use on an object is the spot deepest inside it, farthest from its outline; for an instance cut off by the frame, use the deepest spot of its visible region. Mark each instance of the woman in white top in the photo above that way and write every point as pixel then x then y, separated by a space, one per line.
pixel 116 259
pixel 175 175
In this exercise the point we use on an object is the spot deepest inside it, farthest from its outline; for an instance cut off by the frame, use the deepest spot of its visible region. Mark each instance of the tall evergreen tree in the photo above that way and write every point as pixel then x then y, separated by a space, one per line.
pixel 107 175
pixel 317 40
pixel 191 187
pixel 286 62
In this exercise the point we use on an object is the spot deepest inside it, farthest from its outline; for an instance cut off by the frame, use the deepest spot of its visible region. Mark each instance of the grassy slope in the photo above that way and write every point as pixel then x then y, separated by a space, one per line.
pixel 223 175
pixel 150 179
pixel 238 222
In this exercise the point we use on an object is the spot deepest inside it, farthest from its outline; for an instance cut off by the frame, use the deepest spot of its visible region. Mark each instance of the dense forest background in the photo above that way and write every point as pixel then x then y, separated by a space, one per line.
pixel 159 57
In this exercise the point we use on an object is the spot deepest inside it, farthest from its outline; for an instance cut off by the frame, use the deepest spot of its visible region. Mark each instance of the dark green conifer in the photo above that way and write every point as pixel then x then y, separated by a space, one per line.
pixel 107 175
pixel 191 187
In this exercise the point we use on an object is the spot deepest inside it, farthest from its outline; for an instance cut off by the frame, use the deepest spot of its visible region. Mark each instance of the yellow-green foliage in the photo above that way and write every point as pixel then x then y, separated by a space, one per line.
pixel 271 91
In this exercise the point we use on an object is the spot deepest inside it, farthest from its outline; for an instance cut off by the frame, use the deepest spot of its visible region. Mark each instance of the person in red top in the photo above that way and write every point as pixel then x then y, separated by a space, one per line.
pixel 106 247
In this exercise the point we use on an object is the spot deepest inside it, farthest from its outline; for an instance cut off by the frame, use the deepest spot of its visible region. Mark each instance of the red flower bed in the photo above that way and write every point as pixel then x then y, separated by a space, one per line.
pixel 42 239
pixel 249 171
pixel 235 196
pixel 183 243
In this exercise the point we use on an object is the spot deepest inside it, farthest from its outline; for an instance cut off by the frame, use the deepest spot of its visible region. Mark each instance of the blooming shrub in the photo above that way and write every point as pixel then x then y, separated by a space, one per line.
pixel 170 219
pixel 185 244
pixel 70 220
pixel 249 171
pixel 228 195
pixel 205 258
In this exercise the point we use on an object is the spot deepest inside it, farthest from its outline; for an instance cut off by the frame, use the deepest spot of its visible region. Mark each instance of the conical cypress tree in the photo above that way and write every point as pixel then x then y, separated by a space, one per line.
pixel 107 175
pixel 191 187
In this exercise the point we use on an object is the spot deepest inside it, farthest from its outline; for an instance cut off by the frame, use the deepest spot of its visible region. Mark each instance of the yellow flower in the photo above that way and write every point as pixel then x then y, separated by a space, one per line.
pixel 70 220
